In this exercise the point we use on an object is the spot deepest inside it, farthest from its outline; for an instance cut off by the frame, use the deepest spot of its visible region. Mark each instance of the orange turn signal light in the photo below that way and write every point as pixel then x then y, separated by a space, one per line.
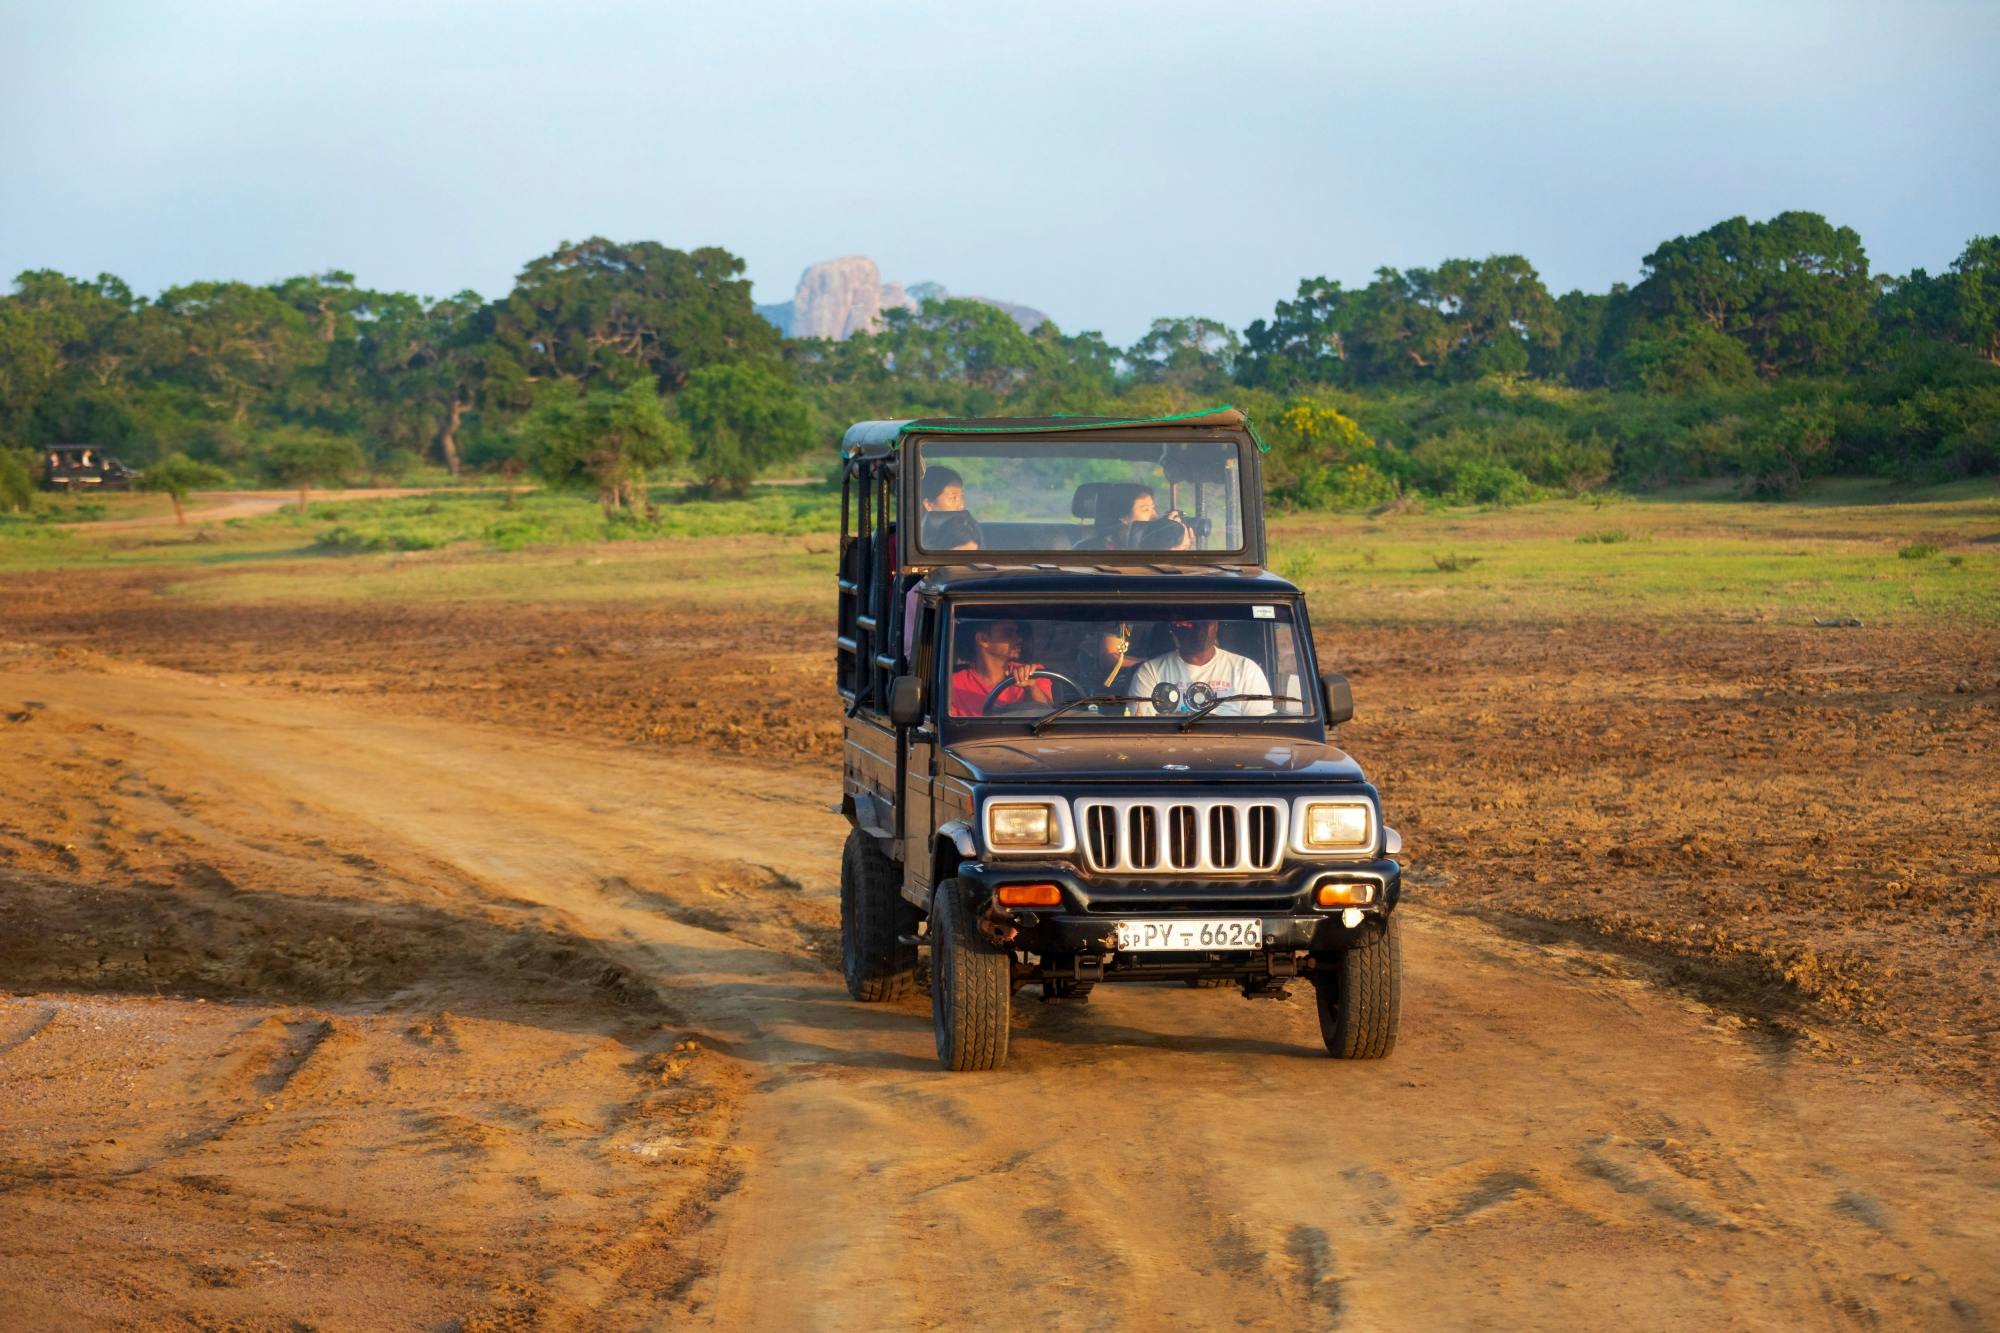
pixel 1344 895
pixel 1029 895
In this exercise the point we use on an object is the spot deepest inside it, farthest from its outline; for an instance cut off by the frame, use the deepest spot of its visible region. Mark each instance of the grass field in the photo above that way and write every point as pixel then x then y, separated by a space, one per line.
pixel 1849 551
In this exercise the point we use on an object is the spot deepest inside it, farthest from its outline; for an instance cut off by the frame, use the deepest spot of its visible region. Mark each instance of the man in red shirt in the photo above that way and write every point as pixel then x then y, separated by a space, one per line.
pixel 996 654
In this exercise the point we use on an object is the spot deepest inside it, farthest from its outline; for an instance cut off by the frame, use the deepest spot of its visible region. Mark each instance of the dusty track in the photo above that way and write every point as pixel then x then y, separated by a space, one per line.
pixel 459 960
pixel 218 506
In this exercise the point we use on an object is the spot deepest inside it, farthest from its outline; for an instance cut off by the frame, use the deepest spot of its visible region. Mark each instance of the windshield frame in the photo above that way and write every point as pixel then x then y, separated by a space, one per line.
pixel 1310 725
pixel 1249 499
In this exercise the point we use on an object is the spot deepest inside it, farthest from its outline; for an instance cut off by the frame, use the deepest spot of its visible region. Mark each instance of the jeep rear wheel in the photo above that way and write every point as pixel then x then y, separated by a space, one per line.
pixel 874 919
pixel 1361 996
pixel 971 984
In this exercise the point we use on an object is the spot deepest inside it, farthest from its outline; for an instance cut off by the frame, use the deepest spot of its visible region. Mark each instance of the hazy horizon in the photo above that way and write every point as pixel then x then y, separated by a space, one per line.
pixel 1106 168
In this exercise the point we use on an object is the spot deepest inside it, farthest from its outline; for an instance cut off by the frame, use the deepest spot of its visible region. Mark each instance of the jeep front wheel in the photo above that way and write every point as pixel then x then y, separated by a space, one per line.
pixel 1361 996
pixel 874 920
pixel 971 984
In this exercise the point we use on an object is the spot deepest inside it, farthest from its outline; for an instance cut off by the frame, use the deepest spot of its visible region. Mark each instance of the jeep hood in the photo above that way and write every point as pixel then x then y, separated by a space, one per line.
pixel 1170 757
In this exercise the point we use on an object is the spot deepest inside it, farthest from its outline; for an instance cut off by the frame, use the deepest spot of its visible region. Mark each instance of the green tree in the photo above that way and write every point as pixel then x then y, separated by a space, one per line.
pixel 177 474
pixel 1192 353
pixel 29 367
pixel 605 314
pixel 1578 357
pixel 605 440
pixel 1794 291
pixel 1461 320
pixel 1304 342
pixel 234 344
pixel 425 363
pixel 742 419
pixel 298 456
pixel 1960 306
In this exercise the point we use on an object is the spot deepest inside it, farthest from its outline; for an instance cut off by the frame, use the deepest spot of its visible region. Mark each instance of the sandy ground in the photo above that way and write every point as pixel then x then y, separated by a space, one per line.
pixel 330 1007
pixel 216 506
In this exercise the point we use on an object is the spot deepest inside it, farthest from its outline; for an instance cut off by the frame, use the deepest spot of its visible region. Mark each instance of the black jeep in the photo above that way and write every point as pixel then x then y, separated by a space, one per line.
pixel 83 467
pixel 1086 740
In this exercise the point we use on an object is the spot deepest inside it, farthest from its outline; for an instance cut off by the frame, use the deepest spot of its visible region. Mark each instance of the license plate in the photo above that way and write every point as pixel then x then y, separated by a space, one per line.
pixel 1191 934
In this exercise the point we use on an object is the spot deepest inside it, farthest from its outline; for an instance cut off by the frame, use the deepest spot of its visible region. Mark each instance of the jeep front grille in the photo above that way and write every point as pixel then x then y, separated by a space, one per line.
pixel 1146 837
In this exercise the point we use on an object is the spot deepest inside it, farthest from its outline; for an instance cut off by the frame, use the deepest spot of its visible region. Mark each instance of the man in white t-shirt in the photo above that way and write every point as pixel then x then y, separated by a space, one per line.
pixel 1197 661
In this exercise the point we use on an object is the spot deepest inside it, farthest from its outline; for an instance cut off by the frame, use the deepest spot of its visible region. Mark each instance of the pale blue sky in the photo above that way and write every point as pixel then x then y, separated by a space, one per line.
pixel 1103 162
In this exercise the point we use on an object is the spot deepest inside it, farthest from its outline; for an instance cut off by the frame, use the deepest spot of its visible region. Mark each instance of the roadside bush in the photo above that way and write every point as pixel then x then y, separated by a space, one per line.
pixel 17 481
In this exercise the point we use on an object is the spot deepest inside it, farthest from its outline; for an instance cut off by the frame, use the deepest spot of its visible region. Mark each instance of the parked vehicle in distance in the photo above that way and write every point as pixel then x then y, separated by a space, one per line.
pixel 1086 737
pixel 79 467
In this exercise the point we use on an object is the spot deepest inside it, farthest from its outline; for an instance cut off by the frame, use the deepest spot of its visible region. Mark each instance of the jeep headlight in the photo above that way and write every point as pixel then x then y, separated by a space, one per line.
pixel 1343 826
pixel 1026 826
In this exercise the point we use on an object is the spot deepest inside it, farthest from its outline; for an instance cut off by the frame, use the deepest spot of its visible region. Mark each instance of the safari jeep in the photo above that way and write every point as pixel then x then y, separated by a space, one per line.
pixel 80 467
pixel 1085 737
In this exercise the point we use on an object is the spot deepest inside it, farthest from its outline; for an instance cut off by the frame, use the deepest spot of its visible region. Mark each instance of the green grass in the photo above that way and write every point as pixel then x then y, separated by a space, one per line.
pixel 1550 562
pixel 494 520
pixel 466 519
pixel 1838 554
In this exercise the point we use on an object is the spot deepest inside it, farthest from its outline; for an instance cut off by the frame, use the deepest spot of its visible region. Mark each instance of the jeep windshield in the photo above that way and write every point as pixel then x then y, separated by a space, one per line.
pixel 1015 663
pixel 1045 496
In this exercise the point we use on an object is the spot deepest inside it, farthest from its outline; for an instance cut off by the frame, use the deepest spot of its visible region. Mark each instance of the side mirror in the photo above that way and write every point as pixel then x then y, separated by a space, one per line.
pixel 906 701
pixel 1339 698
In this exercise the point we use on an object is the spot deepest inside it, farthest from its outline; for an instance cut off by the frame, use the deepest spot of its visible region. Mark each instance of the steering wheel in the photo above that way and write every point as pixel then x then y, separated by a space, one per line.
pixel 986 709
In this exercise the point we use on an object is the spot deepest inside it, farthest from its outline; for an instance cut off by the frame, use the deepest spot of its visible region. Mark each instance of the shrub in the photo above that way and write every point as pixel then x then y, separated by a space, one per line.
pixel 17 481
pixel 1695 359
pixel 1455 563
pixel 1355 486
pixel 1605 538
pixel 1299 567
pixel 1790 448
pixel 1488 484
pixel 1917 551
pixel 349 541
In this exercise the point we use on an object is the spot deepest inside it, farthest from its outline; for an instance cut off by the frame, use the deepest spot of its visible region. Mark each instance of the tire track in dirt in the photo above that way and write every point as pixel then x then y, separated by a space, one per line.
pixel 1553 1136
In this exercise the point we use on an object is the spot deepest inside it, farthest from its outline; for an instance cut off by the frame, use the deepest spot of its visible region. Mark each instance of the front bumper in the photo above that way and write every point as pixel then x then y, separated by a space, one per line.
pixel 1084 924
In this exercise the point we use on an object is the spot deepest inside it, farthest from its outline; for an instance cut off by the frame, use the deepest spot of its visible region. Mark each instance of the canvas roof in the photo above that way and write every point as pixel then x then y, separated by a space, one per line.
pixel 880 433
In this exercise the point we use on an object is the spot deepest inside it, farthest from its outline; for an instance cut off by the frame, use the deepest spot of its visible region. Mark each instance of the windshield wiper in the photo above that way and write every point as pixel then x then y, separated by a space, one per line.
pixel 1052 715
pixel 1214 704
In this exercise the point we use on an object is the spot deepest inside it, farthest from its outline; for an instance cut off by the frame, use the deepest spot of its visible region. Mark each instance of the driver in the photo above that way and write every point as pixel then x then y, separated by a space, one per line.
pixel 1204 671
pixel 996 656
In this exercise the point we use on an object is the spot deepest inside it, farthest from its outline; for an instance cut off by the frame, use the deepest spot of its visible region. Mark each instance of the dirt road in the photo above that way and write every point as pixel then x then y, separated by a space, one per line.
pixel 443 1074
pixel 217 506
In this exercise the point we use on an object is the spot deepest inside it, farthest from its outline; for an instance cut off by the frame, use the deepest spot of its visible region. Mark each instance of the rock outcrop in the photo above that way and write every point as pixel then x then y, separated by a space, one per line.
pixel 838 298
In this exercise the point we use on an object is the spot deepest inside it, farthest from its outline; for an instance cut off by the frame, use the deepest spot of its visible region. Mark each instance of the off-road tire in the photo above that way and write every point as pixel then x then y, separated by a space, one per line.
pixel 1360 994
pixel 971 985
pixel 874 918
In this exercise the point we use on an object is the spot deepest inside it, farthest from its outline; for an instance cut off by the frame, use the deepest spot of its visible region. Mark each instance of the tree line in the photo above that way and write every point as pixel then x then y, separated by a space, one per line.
pixel 1763 350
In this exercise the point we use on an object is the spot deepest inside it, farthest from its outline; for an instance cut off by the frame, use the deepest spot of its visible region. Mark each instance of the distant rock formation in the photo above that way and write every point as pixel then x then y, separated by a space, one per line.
pixel 838 298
